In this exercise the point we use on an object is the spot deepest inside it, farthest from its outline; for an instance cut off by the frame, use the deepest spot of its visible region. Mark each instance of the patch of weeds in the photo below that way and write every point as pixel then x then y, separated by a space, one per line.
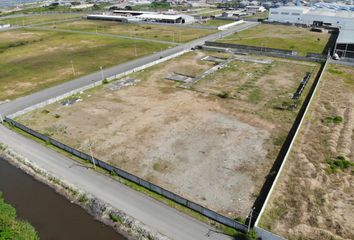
pixel 339 163
pixel 115 218
pixel 160 166
pixel 83 198
pixel 57 116
pixel 255 95
pixel 105 81
pixel 335 120
pixel 45 111
pixel 223 94
pixel 240 220
pixel 334 71
pixel 252 235
pixel 279 140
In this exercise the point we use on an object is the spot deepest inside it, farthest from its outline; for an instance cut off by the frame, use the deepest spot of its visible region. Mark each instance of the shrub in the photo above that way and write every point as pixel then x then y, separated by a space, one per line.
pixel 45 111
pixel 114 218
pixel 252 235
pixel 11 227
pixel 105 81
pixel 83 198
pixel 335 119
pixel 339 163
pixel 223 94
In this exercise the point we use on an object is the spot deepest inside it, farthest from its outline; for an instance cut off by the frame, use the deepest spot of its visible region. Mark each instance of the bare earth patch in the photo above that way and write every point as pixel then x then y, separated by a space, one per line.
pixel 188 141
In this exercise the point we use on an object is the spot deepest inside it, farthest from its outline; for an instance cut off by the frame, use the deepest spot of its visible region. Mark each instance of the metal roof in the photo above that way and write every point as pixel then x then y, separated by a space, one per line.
pixel 346 36
pixel 159 16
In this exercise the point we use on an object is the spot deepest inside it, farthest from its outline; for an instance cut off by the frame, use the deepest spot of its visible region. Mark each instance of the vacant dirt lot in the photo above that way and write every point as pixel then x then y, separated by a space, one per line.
pixel 211 149
pixel 314 197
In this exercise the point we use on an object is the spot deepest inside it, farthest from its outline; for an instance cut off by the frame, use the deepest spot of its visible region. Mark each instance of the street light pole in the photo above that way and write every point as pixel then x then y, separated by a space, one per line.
pixel 250 219
pixel 102 73
pixel 92 158
pixel 72 67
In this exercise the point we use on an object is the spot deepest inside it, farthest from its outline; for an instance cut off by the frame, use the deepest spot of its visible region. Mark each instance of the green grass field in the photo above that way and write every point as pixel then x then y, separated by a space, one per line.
pixel 33 60
pixel 281 37
pixel 36 19
pixel 11 227
pixel 159 32
pixel 259 15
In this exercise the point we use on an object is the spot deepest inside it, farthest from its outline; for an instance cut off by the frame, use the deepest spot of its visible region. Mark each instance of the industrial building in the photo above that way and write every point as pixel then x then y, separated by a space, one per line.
pixel 141 16
pixel 345 43
pixel 311 16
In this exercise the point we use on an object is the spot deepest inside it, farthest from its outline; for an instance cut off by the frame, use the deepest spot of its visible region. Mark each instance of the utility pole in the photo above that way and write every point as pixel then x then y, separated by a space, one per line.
pixel 92 158
pixel 102 73
pixel 250 219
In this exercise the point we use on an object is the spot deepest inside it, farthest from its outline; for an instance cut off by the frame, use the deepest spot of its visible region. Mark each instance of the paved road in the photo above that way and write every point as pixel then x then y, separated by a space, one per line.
pixel 160 217
pixel 41 96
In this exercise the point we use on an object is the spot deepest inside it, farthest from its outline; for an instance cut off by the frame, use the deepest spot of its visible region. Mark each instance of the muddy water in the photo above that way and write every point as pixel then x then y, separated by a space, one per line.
pixel 53 216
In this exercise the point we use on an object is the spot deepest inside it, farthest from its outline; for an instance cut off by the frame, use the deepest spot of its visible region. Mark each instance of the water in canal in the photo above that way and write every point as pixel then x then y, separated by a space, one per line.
pixel 53 216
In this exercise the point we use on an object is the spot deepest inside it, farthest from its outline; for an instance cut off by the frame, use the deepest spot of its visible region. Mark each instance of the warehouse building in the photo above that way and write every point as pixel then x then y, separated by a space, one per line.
pixel 344 47
pixel 140 16
pixel 311 16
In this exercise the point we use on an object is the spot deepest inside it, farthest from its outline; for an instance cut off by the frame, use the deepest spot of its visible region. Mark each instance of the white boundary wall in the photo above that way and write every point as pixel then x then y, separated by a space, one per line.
pixel 95 84
pixel 226 26
pixel 268 235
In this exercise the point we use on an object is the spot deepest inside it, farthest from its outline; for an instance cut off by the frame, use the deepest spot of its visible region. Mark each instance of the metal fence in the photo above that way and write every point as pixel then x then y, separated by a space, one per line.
pixel 167 194
pixel 250 48
pixel 311 58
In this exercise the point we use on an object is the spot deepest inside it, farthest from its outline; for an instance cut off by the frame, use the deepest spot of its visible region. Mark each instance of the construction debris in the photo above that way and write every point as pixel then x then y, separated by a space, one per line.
pixel 124 82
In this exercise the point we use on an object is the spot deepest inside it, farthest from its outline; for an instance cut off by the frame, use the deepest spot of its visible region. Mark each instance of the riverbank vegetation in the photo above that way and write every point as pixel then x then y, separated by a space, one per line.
pixel 11 227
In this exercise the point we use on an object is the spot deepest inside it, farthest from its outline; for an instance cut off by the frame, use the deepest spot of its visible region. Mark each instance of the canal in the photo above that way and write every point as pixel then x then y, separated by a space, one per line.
pixel 53 216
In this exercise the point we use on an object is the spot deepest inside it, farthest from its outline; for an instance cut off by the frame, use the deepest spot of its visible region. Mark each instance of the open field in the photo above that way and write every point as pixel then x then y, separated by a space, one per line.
pixel 205 12
pixel 314 197
pixel 258 15
pixel 36 19
pixel 150 31
pixel 32 60
pixel 213 149
pixel 298 39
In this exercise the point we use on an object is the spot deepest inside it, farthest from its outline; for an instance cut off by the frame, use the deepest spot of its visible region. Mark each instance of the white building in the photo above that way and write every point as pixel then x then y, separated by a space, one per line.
pixel 310 16
pixel 254 9
pixel 142 16
pixel 345 42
